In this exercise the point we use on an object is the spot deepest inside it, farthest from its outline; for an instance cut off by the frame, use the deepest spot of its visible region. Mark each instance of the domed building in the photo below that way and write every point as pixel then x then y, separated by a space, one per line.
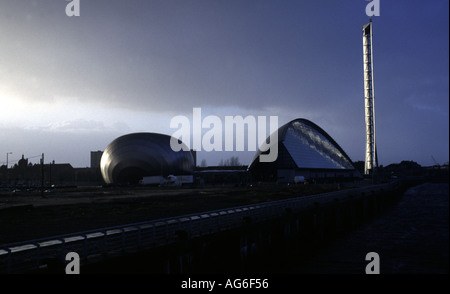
pixel 130 158
pixel 305 152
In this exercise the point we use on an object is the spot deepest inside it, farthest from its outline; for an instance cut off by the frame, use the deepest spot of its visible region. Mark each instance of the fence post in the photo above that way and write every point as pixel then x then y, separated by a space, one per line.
pixel 123 240
pixel 140 237
pixel 105 244
pixel 167 232
pixel 85 248
pixel 8 270
pixel 63 248
pixel 38 254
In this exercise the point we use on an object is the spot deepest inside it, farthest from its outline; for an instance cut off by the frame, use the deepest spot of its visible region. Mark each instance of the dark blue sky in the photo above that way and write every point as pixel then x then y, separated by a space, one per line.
pixel 70 85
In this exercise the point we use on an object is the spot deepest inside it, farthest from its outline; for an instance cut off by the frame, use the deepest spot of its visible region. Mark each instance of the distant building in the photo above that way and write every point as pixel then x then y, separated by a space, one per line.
pixel 194 156
pixel 96 156
pixel 22 163
pixel 305 152
pixel 25 174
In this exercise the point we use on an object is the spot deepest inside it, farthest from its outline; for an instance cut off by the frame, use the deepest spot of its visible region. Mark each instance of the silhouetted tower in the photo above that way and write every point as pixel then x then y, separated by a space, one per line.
pixel 371 161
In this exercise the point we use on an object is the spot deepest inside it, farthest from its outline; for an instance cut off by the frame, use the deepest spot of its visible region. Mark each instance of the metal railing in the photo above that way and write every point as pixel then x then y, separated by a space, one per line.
pixel 94 245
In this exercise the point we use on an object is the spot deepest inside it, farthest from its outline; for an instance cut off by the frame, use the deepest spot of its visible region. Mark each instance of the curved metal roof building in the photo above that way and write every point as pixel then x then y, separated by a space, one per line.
pixel 304 149
pixel 131 157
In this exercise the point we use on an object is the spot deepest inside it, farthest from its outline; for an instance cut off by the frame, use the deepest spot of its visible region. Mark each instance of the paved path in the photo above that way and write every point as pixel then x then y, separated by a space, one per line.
pixel 412 237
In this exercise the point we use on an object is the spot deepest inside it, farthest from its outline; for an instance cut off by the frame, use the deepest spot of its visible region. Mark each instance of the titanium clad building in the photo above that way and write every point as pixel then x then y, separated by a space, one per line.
pixel 305 152
pixel 132 157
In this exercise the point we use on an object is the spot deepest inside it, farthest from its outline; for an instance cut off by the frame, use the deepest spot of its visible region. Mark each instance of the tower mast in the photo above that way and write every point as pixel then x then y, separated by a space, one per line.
pixel 371 159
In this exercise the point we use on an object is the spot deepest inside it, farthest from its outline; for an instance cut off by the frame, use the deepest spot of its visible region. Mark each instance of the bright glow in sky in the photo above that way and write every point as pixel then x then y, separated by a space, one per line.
pixel 71 85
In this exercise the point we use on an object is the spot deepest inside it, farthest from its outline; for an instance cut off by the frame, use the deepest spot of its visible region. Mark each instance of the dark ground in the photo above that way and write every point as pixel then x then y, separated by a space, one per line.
pixel 27 215
pixel 411 237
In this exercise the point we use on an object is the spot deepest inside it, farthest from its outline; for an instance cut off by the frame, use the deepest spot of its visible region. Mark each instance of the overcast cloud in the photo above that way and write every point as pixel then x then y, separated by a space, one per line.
pixel 126 66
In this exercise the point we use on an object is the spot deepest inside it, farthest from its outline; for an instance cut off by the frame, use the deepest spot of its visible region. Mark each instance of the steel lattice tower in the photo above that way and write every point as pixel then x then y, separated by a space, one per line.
pixel 371 161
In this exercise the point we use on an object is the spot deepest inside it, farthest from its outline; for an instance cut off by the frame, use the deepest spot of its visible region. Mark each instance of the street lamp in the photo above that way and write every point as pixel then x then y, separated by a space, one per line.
pixel 7 162
pixel 7 159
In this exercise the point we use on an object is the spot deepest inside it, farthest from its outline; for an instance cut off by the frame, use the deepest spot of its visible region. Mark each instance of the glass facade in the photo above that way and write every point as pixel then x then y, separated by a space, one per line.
pixel 305 149
pixel 310 148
